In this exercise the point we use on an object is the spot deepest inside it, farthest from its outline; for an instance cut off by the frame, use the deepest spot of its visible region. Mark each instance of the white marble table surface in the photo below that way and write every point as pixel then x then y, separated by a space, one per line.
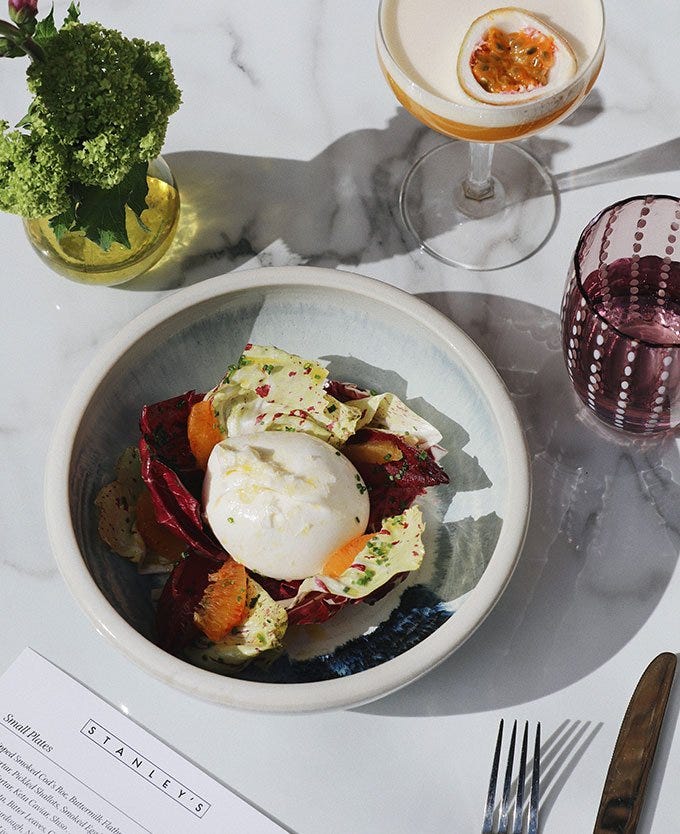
pixel 288 135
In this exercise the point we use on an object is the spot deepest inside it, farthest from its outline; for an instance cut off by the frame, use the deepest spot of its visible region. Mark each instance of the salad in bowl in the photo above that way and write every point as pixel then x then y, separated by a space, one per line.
pixel 276 499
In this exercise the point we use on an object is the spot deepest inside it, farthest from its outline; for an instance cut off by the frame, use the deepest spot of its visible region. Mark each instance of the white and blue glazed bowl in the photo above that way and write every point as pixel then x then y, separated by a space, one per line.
pixel 368 333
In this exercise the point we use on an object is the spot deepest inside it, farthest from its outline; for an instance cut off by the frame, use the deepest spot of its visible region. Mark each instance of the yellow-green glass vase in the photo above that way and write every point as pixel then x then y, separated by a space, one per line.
pixel 77 258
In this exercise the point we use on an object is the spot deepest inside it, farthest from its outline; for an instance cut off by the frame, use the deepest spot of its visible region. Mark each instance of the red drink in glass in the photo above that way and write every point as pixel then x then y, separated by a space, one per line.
pixel 621 315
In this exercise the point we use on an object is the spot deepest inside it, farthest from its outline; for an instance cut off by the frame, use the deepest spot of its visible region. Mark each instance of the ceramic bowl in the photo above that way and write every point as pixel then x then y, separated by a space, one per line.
pixel 366 332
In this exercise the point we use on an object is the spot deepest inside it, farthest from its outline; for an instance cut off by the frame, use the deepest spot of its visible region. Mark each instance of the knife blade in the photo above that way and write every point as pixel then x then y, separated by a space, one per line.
pixel 626 780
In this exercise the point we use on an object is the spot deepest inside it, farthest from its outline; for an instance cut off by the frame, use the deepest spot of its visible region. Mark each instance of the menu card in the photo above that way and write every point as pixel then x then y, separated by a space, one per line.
pixel 72 764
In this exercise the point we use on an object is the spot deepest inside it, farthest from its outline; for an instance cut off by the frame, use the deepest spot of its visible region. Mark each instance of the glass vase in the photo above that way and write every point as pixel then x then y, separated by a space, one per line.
pixel 77 258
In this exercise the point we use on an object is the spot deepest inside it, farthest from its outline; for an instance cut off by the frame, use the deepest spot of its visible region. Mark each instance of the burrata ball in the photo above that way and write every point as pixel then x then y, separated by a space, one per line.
pixel 281 502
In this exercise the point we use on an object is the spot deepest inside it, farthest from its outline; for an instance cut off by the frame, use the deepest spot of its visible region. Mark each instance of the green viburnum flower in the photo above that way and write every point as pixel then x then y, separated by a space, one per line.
pixel 106 97
pixel 99 114
pixel 33 175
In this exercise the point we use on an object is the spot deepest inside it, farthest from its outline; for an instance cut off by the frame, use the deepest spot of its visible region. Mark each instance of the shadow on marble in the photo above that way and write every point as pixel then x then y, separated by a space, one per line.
pixel 603 538
pixel 560 754
pixel 655 160
pixel 561 751
pixel 339 207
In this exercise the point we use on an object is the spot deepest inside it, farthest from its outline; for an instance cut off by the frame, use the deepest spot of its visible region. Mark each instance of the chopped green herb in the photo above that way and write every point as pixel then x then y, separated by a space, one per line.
pixel 365 577
pixel 230 371
pixel 402 471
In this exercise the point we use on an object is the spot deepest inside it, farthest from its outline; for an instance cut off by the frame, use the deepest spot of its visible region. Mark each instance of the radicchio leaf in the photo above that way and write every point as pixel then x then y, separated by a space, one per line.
pixel 345 391
pixel 164 427
pixel 169 470
pixel 387 501
pixel 179 599
pixel 416 469
pixel 317 607
pixel 278 589
pixel 175 507
pixel 394 485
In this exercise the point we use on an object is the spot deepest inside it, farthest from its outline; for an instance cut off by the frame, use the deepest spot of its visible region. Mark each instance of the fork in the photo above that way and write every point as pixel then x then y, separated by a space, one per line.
pixel 506 802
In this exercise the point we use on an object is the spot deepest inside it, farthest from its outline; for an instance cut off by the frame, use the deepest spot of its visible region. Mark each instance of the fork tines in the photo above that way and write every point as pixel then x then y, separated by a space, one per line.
pixel 507 808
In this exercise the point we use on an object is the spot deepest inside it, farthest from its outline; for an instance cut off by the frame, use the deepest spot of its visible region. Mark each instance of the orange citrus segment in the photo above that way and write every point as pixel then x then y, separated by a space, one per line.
pixel 375 451
pixel 508 62
pixel 203 431
pixel 340 559
pixel 158 539
pixel 224 601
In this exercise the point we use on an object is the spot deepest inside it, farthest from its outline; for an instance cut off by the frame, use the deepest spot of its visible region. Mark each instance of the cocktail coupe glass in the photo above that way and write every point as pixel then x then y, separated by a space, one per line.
pixel 482 203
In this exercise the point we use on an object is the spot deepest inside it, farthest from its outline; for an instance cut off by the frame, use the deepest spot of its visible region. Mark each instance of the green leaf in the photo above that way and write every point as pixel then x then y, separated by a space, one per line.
pixel 26 120
pixel 107 237
pixel 73 13
pixel 28 26
pixel 139 188
pixel 64 222
pixel 8 49
pixel 45 29
pixel 100 212
pixel 101 215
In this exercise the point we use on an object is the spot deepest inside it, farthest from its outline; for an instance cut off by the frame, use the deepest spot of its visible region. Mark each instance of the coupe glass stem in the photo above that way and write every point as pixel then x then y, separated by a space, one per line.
pixel 478 184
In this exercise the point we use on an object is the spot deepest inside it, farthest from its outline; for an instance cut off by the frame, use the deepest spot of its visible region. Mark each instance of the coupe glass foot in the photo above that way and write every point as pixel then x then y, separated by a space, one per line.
pixel 479 234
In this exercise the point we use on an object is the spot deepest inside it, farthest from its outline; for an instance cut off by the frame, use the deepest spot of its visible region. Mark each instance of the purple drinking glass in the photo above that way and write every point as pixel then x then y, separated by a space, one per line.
pixel 621 315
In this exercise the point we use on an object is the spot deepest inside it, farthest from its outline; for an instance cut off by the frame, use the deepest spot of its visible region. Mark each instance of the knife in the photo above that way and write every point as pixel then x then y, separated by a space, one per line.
pixel 624 786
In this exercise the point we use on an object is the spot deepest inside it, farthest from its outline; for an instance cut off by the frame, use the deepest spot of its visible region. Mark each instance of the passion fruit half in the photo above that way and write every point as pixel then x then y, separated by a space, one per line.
pixel 509 56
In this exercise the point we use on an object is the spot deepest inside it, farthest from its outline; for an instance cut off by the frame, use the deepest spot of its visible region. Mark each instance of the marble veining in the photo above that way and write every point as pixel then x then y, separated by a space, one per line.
pixel 289 148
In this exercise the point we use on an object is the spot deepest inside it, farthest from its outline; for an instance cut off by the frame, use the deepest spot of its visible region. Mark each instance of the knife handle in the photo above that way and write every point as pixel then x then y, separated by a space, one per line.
pixel 624 786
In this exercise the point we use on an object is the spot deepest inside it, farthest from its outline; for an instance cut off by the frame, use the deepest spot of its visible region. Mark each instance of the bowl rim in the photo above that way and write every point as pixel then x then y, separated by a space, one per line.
pixel 343 692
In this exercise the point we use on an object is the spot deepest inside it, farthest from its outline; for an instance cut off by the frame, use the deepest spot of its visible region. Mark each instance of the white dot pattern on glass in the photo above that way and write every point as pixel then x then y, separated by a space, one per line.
pixel 624 262
pixel 665 268
pixel 660 400
pixel 605 293
pixel 630 269
pixel 622 402
pixel 573 346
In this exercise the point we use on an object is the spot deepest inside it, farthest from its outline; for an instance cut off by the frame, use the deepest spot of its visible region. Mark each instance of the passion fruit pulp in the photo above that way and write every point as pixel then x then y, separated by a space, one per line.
pixel 509 56
pixel 513 62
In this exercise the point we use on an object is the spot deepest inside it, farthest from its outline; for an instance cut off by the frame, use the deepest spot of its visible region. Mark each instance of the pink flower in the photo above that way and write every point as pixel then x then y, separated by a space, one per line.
pixel 21 11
